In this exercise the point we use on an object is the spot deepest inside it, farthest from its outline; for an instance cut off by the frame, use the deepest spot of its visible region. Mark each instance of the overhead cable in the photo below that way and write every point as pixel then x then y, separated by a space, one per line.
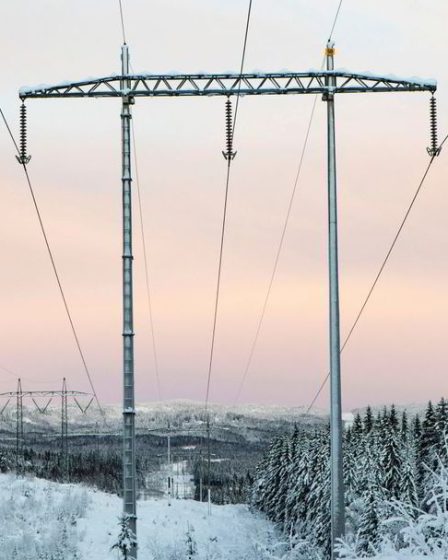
pixel 123 30
pixel 224 218
pixel 381 269
pixel 145 258
pixel 284 229
pixel 53 265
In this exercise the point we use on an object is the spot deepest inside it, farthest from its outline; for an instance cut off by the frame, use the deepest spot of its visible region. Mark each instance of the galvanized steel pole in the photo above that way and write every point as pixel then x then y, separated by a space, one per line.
pixel 64 432
pixel 337 483
pixel 129 459
pixel 19 430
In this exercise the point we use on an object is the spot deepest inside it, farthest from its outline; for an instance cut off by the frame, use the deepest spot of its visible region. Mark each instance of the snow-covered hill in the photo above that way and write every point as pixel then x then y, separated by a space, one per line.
pixel 40 519
pixel 252 422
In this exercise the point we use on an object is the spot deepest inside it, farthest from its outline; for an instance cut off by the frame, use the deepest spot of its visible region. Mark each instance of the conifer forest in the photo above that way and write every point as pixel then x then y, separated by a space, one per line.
pixel 395 473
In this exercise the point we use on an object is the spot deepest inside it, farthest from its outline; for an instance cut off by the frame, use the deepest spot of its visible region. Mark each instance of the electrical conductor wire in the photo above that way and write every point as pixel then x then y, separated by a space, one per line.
pixel 243 59
pixel 284 228
pixel 380 271
pixel 55 271
pixel 223 227
pixel 145 258
pixel 123 30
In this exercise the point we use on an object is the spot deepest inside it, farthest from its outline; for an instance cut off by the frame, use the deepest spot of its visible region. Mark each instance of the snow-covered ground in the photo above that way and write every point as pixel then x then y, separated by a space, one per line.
pixel 182 482
pixel 73 522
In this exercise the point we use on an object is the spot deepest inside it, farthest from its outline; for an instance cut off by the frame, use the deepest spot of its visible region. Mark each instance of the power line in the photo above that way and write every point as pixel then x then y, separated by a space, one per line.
pixel 55 271
pixel 380 271
pixel 284 228
pixel 145 258
pixel 8 128
pixel 279 250
pixel 224 218
pixel 243 59
pixel 335 21
pixel 218 285
pixel 123 30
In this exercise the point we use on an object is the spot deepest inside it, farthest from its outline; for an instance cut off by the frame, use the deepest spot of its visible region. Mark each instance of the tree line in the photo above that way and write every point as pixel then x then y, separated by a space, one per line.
pixel 387 458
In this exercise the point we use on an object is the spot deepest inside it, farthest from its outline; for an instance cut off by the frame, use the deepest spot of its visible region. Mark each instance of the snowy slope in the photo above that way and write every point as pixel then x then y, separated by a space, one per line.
pixel 39 517
pixel 230 532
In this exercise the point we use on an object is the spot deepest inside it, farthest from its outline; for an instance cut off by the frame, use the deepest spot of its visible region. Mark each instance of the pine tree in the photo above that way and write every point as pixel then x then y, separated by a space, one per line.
pixel 298 489
pixel 272 479
pixel 441 426
pixel 191 546
pixel 442 415
pixel 427 449
pixel 392 418
pixel 368 421
pixel 126 538
pixel 408 486
pixel 429 436
pixel 404 426
pixel 419 467
pixel 368 530
pixel 353 446
pixel 357 428
pixel 417 428
pixel 318 520
pixel 391 459
pixel 281 494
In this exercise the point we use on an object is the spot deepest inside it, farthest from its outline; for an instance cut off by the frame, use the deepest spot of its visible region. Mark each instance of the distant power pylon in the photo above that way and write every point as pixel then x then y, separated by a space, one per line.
pixel 65 394
pixel 128 87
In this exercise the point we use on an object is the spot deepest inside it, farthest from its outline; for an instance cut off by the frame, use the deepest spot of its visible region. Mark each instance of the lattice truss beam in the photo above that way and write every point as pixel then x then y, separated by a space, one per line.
pixel 45 394
pixel 191 85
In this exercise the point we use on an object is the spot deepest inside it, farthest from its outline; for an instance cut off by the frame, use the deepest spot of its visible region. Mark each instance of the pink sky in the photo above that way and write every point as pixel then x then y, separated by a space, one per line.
pixel 399 352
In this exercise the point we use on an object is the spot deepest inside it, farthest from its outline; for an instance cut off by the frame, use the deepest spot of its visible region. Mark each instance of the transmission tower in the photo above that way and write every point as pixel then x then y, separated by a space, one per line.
pixel 128 87
pixel 65 394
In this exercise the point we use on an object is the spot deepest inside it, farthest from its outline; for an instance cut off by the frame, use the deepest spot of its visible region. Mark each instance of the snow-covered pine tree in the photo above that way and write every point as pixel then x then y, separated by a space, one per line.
pixel 357 427
pixel 408 487
pixel 391 459
pixel 368 421
pixel 392 418
pixel 369 470
pixel 441 426
pixel 368 536
pixel 318 520
pixel 298 488
pixel 280 497
pixel 429 436
pixel 404 428
pixel 259 486
pixel 271 479
pixel 190 543
pixel 126 538
pixel 419 468
pixel 427 450
pixel 352 451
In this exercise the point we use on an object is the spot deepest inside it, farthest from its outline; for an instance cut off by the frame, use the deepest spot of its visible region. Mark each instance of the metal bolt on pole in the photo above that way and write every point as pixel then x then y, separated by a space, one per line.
pixel 337 484
pixel 129 458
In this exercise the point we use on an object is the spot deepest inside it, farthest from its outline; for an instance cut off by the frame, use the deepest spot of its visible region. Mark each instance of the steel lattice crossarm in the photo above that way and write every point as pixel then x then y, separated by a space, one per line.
pixel 227 84
pixel 59 393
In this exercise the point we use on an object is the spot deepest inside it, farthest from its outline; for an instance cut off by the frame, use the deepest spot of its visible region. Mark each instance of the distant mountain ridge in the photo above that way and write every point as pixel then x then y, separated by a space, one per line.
pixel 250 421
